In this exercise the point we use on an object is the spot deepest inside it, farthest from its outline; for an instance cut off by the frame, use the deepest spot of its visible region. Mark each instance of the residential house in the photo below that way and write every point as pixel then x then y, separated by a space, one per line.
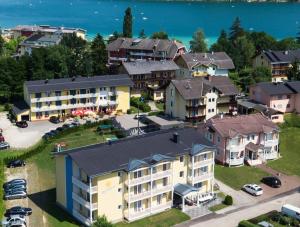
pixel 281 96
pixel 38 41
pixel 244 138
pixel 134 49
pixel 62 97
pixel 204 64
pixel 200 98
pixel 29 30
pixel 150 76
pixel 279 62
pixel 135 177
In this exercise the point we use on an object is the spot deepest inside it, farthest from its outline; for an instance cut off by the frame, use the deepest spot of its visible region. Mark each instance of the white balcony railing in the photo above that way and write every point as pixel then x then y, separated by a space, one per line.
pixel 81 200
pixel 203 177
pixel 161 174
pixel 84 186
pixel 203 163
pixel 272 155
pixel 139 180
pixel 80 217
pixel 139 196
pixel 64 97
pixel 162 189
pixel 161 207
pixel 134 215
pixel 235 161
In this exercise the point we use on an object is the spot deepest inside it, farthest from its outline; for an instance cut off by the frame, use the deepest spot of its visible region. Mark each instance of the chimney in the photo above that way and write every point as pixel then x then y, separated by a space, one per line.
pixel 205 55
pixel 175 137
pixel 286 52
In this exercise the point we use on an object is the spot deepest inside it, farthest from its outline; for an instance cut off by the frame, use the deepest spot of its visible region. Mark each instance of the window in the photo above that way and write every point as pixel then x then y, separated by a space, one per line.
pixel 252 137
pixel 137 189
pixel 171 103
pixel 119 189
pixel 137 205
pixel 212 110
pixel 153 184
pixel 269 136
pixel 119 174
pixel 248 137
pixel 213 99
pixel 181 174
pixel 209 110
pixel 46 114
pixel 58 103
pixel 92 90
pixel 120 206
pixel 165 181
pixel 198 185
pixel 112 89
pixel 164 167
pixel 137 174
pixel 218 139
pixel 181 158
pixel 171 93
pixel 72 92
pixel 57 93
pixel 275 118
pixel 159 199
pixel 288 96
pixel 288 106
pixel 38 95
pixel 154 170
pixel 209 100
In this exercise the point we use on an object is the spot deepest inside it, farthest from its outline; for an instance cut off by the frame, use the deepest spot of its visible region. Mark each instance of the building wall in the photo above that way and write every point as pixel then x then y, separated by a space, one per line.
pixel 283 103
pixel 297 102
pixel 60 181
pixel 257 94
pixel 175 104
pixel 123 98
pixel 211 105
pixel 180 167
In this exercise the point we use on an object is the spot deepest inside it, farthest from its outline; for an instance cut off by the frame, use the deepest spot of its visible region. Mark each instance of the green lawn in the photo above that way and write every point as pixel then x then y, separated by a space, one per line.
pixel 236 177
pixel 289 150
pixel 218 207
pixel 2 108
pixel 164 219
pixel 160 106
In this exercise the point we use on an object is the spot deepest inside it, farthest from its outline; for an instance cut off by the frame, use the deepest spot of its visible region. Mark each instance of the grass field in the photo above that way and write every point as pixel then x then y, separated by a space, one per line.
pixel 236 177
pixel 164 219
pixel 218 207
pixel 160 106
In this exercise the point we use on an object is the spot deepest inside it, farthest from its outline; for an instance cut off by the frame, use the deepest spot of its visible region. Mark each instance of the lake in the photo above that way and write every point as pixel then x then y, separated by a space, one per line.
pixel 178 19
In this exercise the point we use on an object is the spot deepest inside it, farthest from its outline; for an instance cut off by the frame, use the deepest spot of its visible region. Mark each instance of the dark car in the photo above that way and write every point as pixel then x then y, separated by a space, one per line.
pixel 54 120
pixel 273 182
pixel 20 187
pixel 16 163
pixel 59 129
pixel 66 126
pixel 22 124
pixel 14 182
pixel 18 210
pixel 4 145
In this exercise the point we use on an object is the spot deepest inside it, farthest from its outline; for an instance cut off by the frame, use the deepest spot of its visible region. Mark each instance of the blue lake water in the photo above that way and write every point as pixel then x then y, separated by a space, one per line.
pixel 178 19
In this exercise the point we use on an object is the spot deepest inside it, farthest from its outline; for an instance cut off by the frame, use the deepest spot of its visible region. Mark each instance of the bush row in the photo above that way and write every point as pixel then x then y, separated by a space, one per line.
pixel 138 104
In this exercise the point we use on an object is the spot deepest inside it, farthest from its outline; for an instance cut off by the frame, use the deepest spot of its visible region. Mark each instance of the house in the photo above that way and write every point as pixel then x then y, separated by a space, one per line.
pixel 62 97
pixel 251 139
pixel 135 177
pixel 200 98
pixel 29 30
pixel 204 64
pixel 150 76
pixel 134 49
pixel 245 106
pixel 281 96
pixel 38 41
pixel 279 62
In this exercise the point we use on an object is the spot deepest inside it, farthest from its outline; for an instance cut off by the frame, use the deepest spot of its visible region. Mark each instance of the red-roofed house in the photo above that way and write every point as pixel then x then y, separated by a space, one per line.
pixel 246 138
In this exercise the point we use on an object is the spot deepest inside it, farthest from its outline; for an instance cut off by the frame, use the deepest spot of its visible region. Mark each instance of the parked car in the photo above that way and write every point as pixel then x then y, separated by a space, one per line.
pixel 139 116
pixel 18 210
pixel 272 181
pixel 22 124
pixel 15 194
pixel 14 187
pixel 14 182
pixel 4 145
pixel 60 129
pixel 291 211
pixel 54 120
pixel 16 163
pixel 66 126
pixel 253 189
pixel 75 123
pixel 14 220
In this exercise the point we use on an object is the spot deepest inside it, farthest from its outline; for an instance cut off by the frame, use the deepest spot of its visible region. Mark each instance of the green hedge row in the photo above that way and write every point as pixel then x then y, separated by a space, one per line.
pixel 138 104
pixel 246 224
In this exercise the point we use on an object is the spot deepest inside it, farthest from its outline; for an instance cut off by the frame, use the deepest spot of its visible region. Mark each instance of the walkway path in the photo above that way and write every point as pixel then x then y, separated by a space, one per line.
pixel 153 106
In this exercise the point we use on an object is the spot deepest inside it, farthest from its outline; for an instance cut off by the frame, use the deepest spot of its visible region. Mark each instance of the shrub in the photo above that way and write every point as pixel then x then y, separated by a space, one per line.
pixel 276 217
pixel 228 200
pixel 102 222
pixel 284 220
pixel 155 113
pixel 129 111
pixel 246 224
pixel 295 222
pixel 138 104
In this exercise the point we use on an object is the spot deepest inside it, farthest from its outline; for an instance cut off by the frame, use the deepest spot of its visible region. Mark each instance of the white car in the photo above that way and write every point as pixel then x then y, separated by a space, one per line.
pixel 253 189
pixel 14 220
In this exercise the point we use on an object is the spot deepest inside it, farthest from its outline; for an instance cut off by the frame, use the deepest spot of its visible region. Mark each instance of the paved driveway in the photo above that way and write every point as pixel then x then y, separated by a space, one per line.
pixel 24 137
pixel 127 121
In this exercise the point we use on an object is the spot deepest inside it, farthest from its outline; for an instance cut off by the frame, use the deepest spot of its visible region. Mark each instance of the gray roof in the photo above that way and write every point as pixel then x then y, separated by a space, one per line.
pixel 219 59
pixel 287 56
pixel 102 158
pixel 278 88
pixel 156 45
pixel 184 189
pixel 77 83
pixel 196 87
pixel 37 40
pixel 20 107
pixel 294 85
pixel 147 67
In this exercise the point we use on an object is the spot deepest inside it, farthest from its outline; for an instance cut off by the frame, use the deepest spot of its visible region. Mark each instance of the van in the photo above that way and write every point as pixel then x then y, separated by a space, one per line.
pixel 291 211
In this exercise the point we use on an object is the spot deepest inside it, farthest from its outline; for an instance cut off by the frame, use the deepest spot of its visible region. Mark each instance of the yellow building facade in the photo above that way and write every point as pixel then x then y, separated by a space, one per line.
pixel 63 97
pixel 141 188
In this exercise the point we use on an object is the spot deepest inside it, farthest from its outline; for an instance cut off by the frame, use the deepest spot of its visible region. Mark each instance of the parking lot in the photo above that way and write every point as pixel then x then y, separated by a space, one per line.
pixel 24 137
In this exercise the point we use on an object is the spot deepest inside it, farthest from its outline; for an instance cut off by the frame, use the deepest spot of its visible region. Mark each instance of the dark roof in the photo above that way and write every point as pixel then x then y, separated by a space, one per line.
pixel 274 88
pixel 197 87
pixel 20 107
pixel 77 83
pixel 250 104
pixel 219 59
pixel 254 147
pixel 287 56
pixel 156 45
pixel 147 67
pixel 124 154
pixel 294 85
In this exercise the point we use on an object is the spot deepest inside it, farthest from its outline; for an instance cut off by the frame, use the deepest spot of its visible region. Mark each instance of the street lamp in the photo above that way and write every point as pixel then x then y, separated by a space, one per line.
pixel 141 99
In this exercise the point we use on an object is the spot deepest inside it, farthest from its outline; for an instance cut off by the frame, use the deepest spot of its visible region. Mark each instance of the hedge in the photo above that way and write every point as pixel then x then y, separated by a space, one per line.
pixel 228 200
pixel 140 105
pixel 247 224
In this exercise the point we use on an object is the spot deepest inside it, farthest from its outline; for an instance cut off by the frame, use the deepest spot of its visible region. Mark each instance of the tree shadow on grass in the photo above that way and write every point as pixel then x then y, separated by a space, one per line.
pixel 46 201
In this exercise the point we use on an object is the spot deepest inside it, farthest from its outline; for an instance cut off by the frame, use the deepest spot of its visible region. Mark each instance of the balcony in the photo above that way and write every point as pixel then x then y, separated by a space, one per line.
pixel 139 196
pixel 134 215
pixel 272 155
pixel 270 143
pixel 235 161
pixel 81 217
pixel 202 177
pixel 161 174
pixel 63 97
pixel 84 186
pixel 161 207
pixel 62 107
pixel 202 163
pixel 83 202
pixel 162 189
pixel 139 180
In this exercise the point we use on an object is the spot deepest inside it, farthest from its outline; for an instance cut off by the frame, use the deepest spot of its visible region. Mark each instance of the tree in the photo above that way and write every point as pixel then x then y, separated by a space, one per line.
pixel 160 35
pixel 198 44
pixel 288 44
pixel 142 34
pixel 102 222
pixel 222 43
pixel 98 55
pixel 114 36
pixel 127 23
pixel 294 71
pixel 236 29
pixel 298 36
pixel 242 52
pixel 262 41
pixel 2 43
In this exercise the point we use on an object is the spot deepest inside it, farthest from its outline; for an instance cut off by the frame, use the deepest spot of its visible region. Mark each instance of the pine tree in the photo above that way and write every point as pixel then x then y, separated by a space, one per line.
pixel 198 44
pixel 160 35
pixel 236 30
pixel 2 43
pixel 142 34
pixel 222 43
pixel 127 23
pixel 98 55
pixel 298 36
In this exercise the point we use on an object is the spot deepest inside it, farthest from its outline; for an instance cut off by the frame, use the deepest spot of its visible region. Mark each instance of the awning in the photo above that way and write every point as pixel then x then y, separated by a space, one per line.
pixel 184 189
